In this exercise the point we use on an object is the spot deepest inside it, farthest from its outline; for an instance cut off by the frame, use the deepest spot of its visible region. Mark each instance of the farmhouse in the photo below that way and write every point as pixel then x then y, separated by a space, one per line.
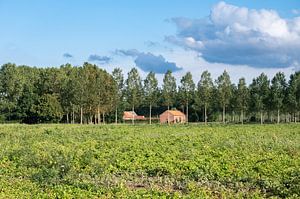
pixel 172 116
pixel 130 115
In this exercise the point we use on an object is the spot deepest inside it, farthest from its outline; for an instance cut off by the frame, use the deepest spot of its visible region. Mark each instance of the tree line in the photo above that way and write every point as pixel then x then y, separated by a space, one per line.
pixel 89 94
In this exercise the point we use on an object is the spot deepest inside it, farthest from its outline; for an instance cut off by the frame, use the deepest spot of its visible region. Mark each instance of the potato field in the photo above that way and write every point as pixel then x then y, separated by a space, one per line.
pixel 149 161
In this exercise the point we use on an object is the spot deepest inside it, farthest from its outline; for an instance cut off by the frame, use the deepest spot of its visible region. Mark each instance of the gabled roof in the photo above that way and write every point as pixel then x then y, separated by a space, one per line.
pixel 175 112
pixel 129 114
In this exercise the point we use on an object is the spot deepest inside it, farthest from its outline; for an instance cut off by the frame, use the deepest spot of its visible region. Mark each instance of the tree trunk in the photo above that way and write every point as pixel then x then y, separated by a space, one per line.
pixel 116 116
pixel 242 116
pixel 98 115
pixel 8 113
pixel 205 114
pixel 261 117
pixel 103 117
pixel 150 111
pixel 73 117
pixel 271 117
pixel 187 112
pixel 278 116
pixel 91 119
pixel 168 115
pixel 132 119
pixel 223 116
pixel 286 119
pixel 67 118
pixel 81 115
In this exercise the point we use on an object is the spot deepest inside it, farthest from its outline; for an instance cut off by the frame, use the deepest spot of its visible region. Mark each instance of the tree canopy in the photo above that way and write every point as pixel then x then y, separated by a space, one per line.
pixel 89 94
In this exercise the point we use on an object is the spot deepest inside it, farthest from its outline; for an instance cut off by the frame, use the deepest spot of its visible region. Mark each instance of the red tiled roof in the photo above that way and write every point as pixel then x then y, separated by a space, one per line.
pixel 175 112
pixel 128 115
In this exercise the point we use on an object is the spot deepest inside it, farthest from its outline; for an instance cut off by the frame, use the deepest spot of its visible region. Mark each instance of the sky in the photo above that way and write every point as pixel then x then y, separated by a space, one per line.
pixel 244 38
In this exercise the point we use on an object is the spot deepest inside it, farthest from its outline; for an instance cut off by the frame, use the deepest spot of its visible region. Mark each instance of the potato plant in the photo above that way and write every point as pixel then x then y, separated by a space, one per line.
pixel 156 161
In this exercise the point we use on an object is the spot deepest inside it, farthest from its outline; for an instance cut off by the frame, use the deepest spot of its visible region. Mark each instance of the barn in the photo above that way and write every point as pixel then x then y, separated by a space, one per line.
pixel 172 116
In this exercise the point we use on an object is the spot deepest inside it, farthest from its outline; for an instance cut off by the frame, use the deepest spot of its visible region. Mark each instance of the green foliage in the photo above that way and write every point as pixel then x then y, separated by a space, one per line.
pixel 169 89
pixel 293 90
pixel 48 109
pixel 278 90
pixel 259 90
pixel 25 92
pixel 134 89
pixel 186 89
pixel 151 89
pixel 119 81
pixel 11 90
pixel 118 97
pixel 186 92
pixel 89 94
pixel 242 95
pixel 224 89
pixel 224 92
pixel 73 161
pixel 205 89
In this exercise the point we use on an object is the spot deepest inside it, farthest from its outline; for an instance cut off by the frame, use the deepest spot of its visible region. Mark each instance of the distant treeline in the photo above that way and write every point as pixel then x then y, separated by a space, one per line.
pixel 89 94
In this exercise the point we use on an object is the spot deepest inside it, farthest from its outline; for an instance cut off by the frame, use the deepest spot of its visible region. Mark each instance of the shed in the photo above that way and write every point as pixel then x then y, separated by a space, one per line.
pixel 131 115
pixel 172 116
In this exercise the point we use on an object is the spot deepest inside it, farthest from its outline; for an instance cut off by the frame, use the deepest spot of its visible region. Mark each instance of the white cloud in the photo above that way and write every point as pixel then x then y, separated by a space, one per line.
pixel 195 64
pixel 241 36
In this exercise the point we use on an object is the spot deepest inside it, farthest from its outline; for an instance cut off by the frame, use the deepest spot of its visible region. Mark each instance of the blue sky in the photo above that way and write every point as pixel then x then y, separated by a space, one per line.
pixel 51 33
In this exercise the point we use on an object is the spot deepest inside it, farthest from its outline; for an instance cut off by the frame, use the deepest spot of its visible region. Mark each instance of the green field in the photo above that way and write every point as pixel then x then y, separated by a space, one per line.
pixel 123 161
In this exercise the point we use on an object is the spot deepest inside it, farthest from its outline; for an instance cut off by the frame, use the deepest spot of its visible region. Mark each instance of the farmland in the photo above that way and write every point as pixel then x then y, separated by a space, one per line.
pixel 149 161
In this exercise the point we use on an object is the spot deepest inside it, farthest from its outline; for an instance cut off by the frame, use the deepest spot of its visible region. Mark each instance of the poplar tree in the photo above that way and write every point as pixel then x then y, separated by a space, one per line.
pixel 134 89
pixel 151 92
pixel 67 91
pixel 259 91
pixel 242 95
pixel 293 95
pixel 224 92
pixel 278 89
pixel 204 92
pixel 169 90
pixel 119 81
pixel 108 96
pixel 187 91
pixel 11 89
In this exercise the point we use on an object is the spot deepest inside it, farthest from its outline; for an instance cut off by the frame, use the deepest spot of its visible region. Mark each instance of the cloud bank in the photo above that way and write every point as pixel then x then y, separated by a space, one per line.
pixel 100 59
pixel 241 36
pixel 67 55
pixel 149 62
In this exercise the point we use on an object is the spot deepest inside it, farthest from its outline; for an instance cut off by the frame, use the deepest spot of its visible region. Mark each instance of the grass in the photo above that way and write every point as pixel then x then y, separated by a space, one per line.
pixel 124 161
